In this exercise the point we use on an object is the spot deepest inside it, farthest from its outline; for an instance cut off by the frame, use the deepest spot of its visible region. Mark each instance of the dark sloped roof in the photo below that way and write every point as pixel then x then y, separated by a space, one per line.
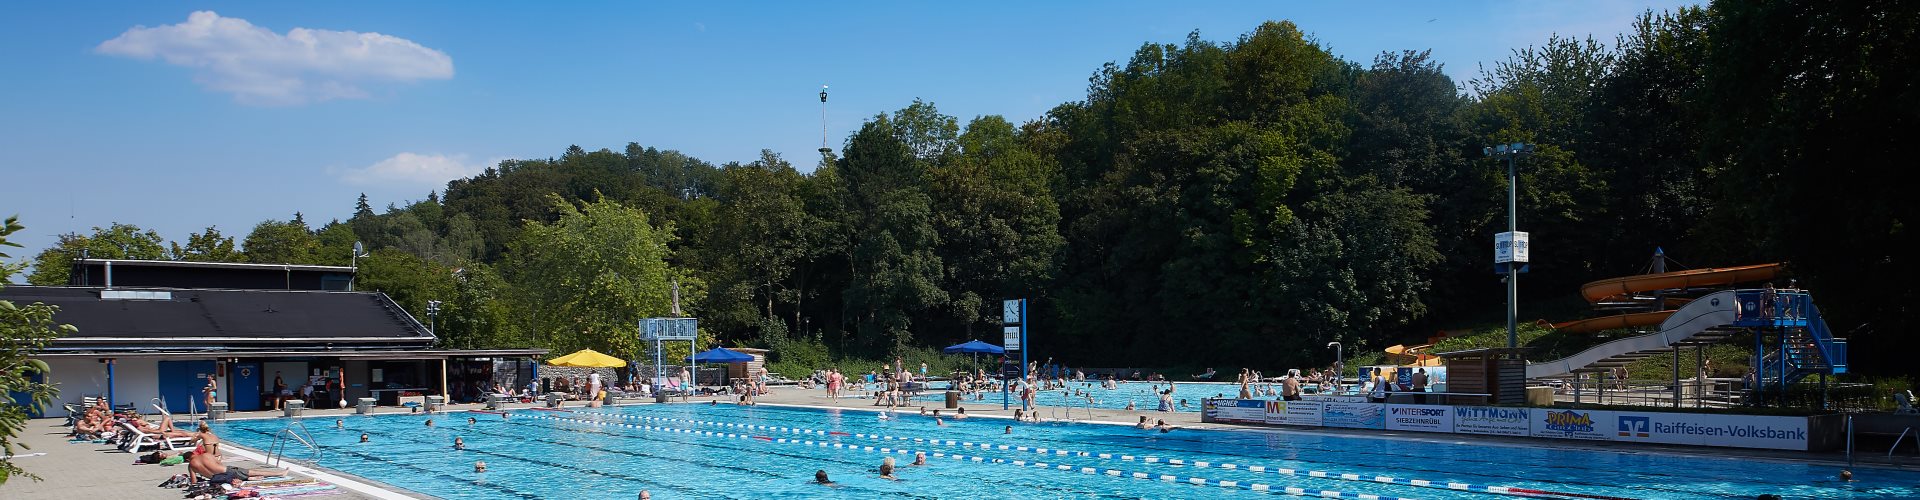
pixel 215 318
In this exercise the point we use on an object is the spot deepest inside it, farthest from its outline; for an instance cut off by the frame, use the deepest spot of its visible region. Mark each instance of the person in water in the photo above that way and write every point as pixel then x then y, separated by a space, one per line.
pixel 459 443
pixel 886 470
pixel 919 458
pixel 820 477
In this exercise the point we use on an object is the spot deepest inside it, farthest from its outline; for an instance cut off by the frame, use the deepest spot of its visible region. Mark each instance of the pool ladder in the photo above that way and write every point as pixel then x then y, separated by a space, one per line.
pixel 293 432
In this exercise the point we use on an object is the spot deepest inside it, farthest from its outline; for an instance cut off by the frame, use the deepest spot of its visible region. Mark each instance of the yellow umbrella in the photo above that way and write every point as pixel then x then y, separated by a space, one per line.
pixel 587 358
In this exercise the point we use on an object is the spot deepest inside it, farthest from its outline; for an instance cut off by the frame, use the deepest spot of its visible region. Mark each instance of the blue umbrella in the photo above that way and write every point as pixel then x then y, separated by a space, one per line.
pixel 974 347
pixel 721 355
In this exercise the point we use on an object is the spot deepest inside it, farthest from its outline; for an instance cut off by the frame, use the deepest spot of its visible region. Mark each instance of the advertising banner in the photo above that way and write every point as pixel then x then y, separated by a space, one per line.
pixel 1294 413
pixel 1492 420
pixel 1742 431
pixel 1238 411
pixel 1354 415
pixel 1424 418
pixel 1573 424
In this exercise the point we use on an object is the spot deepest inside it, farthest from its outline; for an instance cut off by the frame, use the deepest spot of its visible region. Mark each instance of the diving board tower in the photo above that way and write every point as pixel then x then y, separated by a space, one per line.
pixel 659 331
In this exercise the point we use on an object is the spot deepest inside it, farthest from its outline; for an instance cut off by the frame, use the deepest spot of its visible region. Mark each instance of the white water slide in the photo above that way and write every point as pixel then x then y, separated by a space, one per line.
pixel 1714 310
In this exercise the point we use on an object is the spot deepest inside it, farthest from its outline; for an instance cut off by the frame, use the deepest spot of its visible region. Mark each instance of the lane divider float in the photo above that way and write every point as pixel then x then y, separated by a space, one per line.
pixel 1283 471
pixel 1169 478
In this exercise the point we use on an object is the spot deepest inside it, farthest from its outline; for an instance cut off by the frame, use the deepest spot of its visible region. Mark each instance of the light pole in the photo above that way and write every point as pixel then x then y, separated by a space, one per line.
pixel 433 317
pixel 1511 248
pixel 824 150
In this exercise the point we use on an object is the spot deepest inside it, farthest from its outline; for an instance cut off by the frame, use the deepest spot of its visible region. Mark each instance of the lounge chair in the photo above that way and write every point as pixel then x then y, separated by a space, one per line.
pixel 1905 401
pixel 136 440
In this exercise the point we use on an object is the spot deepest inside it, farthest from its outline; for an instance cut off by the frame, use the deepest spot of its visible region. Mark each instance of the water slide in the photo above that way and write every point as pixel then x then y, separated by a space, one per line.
pixel 1616 288
pixel 1714 310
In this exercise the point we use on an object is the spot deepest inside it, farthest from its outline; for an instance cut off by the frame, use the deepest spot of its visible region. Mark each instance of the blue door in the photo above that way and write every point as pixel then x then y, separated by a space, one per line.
pixel 181 382
pixel 25 400
pixel 246 387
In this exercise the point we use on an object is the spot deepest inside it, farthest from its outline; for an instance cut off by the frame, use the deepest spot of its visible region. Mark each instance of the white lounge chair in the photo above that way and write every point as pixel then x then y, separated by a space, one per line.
pixel 137 440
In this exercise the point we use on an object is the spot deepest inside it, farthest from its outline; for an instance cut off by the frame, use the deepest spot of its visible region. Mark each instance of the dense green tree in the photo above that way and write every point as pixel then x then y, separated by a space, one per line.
pixel 205 246
pixel 116 241
pixel 895 273
pixel 25 329
pixel 1812 105
pixel 586 279
pixel 281 242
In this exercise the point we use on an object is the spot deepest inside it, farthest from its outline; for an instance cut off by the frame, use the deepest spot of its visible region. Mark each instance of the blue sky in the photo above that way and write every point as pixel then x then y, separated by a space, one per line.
pixel 136 112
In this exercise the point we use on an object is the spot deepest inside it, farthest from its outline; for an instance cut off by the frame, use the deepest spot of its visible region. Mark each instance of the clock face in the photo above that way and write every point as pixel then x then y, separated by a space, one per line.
pixel 1010 311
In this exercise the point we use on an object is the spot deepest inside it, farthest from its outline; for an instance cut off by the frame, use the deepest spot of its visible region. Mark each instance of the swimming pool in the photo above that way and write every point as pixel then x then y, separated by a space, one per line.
pixel 726 451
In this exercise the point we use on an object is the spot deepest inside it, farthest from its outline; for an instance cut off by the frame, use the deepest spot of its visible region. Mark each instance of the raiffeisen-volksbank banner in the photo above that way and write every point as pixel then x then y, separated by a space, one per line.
pixel 1745 431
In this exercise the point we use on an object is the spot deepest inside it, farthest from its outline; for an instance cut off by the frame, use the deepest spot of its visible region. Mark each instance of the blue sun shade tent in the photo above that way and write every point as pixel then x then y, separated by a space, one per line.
pixel 974 347
pixel 721 355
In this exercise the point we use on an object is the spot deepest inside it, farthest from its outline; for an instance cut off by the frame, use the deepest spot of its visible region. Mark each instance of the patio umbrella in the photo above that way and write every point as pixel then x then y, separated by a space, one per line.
pixel 974 347
pixel 721 355
pixel 587 358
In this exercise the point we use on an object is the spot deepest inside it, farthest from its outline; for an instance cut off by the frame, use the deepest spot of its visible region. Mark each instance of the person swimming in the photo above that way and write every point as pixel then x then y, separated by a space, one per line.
pixel 919 458
pixel 480 466
pixel 471 421
pixel 820 477
pixel 363 437
pixel 339 424
pixel 1143 423
pixel 886 470
pixel 459 443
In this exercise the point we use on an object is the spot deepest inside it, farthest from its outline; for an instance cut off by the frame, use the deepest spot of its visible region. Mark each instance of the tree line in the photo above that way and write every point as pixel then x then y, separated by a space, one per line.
pixel 1231 202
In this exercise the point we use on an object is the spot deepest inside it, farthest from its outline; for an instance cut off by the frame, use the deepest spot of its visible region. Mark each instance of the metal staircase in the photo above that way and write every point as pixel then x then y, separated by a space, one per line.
pixel 1791 339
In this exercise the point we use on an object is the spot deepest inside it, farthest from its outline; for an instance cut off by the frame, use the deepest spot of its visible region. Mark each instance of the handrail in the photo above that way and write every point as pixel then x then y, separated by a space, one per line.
pixel 296 431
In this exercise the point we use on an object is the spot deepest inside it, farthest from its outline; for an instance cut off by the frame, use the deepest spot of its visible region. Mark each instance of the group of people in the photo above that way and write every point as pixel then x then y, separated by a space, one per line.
pixel 206 467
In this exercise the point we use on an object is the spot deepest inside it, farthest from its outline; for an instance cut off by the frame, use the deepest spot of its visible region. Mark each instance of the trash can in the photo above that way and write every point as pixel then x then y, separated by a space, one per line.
pixel 953 399
pixel 554 399
pixel 366 406
pixel 493 402
pixel 217 412
pixel 436 403
pixel 293 407
pixel 659 396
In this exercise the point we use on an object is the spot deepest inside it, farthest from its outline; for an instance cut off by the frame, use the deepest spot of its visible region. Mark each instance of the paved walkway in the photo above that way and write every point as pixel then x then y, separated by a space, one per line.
pixel 94 471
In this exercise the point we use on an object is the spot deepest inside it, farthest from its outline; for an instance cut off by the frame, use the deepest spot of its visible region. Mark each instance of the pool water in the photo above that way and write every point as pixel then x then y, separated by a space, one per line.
pixel 1143 395
pixel 727 451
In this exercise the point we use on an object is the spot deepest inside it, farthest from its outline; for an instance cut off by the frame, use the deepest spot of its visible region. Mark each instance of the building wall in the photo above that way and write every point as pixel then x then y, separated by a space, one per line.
pixel 135 380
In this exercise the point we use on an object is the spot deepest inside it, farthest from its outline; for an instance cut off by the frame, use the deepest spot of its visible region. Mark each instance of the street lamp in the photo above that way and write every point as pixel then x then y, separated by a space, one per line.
pixel 1510 248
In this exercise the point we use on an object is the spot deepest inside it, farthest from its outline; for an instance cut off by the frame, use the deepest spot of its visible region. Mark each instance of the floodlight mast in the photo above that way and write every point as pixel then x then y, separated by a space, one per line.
pixel 1512 153
pixel 824 150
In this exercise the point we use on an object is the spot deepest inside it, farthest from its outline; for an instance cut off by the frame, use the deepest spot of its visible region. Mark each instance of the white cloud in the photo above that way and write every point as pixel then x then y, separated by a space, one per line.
pixel 261 67
pixel 413 170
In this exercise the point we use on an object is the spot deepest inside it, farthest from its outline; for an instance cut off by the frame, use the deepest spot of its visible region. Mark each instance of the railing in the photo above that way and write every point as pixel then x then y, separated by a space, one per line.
pixel 296 432
pixel 1695 393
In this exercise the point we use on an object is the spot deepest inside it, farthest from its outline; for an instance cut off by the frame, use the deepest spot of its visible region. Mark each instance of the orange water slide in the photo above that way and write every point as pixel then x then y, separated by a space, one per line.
pixel 1603 290
pixel 1633 320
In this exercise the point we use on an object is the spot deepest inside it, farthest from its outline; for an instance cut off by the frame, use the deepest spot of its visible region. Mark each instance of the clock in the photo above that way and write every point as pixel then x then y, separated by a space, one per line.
pixel 1010 311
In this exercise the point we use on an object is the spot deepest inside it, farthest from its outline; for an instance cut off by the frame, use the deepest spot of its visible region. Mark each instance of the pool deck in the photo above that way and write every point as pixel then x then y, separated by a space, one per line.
pixel 87 471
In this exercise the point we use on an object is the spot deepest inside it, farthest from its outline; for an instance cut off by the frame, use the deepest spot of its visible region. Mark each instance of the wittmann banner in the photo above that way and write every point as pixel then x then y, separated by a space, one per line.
pixel 1294 413
pixel 1239 411
pixel 1354 415
pixel 1492 421
pixel 1740 431
pixel 1424 418
pixel 1573 424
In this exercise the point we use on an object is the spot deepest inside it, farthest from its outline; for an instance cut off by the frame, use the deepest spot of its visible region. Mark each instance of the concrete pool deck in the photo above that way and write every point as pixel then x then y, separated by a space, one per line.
pixel 87 471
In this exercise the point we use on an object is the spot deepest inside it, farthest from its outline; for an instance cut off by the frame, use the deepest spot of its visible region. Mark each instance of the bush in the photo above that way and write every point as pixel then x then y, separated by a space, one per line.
pixel 797 358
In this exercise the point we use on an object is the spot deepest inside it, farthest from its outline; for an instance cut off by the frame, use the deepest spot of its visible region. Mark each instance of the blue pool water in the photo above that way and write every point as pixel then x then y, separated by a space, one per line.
pixel 1143 395
pixel 726 451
